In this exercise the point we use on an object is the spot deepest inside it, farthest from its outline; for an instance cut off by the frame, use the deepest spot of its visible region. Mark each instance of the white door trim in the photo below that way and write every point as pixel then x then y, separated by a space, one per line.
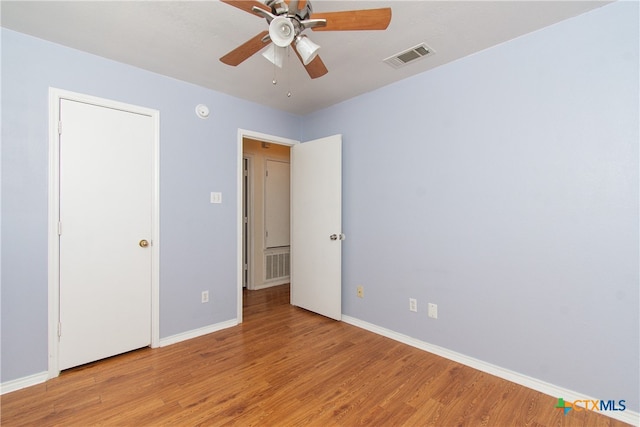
pixel 242 133
pixel 250 233
pixel 55 95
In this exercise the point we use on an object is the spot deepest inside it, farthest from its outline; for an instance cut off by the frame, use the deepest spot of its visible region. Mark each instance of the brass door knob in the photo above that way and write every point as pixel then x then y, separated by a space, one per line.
pixel 143 243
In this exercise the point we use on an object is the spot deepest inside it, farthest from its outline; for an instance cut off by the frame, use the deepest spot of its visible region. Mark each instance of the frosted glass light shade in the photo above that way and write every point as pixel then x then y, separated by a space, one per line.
pixel 275 54
pixel 281 31
pixel 307 49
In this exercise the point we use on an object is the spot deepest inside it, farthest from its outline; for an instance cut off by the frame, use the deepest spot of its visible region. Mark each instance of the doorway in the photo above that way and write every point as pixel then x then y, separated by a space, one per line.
pixel 246 262
pixel 266 209
pixel 316 224
pixel 103 229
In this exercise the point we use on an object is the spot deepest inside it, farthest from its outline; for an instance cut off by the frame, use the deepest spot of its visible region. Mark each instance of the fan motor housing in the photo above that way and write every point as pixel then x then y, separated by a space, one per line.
pixel 279 7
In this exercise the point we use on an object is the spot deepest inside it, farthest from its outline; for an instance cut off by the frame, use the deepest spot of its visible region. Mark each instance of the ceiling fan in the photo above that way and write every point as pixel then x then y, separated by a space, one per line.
pixel 288 19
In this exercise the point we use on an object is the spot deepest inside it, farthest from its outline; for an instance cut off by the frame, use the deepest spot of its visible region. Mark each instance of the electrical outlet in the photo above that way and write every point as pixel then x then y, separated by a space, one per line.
pixel 360 291
pixel 413 304
pixel 432 311
pixel 205 296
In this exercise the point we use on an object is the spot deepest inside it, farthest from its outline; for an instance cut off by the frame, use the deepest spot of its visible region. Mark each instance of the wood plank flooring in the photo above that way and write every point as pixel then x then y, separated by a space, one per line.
pixel 283 366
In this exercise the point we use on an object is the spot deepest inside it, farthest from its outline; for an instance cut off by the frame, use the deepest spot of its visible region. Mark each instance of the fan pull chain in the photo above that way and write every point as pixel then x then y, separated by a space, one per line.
pixel 289 71
pixel 274 81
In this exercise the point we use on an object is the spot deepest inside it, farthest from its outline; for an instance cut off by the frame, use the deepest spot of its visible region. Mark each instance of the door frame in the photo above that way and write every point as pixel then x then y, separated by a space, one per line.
pixel 248 239
pixel 242 133
pixel 55 97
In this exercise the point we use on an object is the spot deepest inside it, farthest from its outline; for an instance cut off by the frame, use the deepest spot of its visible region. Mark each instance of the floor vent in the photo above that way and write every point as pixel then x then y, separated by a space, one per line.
pixel 277 265
pixel 403 58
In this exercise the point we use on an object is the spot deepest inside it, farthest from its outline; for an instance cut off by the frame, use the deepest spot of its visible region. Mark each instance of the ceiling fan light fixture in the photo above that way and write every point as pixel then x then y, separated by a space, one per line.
pixel 307 49
pixel 275 54
pixel 282 31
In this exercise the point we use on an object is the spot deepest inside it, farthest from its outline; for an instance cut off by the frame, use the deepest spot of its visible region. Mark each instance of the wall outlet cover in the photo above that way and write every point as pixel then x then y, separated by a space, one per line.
pixel 432 310
pixel 216 197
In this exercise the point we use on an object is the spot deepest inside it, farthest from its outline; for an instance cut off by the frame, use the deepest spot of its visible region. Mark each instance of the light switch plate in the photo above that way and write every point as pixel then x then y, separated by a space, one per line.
pixel 216 197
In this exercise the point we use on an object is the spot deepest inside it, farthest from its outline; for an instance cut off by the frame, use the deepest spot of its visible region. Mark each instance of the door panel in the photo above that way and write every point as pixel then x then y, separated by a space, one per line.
pixel 106 190
pixel 277 204
pixel 316 214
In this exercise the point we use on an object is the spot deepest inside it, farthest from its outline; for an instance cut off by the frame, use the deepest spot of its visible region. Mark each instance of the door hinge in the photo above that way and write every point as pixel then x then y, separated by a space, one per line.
pixel 59 127
pixel 59 329
pixel 246 266
pixel 59 228
pixel 266 173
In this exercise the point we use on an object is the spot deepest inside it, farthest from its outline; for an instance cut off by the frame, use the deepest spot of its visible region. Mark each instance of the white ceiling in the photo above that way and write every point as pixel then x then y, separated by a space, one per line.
pixel 184 39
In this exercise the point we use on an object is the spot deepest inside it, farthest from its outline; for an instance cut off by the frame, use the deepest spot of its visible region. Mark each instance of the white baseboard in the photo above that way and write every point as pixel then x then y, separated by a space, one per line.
pixel 173 339
pixel 271 284
pixel 626 416
pixel 24 382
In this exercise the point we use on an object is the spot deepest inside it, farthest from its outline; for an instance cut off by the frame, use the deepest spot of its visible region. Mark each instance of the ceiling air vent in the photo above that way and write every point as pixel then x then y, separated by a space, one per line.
pixel 403 58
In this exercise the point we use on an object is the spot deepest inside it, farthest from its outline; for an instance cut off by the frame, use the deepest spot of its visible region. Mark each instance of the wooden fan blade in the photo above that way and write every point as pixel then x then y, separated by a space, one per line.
pixel 315 68
pixel 247 5
pixel 301 5
pixel 245 50
pixel 352 20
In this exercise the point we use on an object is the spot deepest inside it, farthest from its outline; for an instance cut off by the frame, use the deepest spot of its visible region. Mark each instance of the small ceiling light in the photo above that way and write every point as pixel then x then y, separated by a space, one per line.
pixel 275 54
pixel 282 31
pixel 307 49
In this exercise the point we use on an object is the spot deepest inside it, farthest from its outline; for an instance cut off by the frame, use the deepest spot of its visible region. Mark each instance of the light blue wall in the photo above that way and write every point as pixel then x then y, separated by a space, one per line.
pixel 198 239
pixel 504 188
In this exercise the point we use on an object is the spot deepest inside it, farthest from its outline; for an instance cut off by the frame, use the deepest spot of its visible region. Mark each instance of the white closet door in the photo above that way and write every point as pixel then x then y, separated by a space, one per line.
pixel 106 184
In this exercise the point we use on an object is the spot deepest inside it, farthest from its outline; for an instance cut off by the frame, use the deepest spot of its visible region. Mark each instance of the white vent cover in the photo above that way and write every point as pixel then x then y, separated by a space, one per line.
pixel 403 58
pixel 277 265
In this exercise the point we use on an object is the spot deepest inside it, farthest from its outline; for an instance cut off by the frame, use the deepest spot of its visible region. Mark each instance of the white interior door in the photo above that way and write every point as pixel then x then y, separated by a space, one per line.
pixel 277 207
pixel 316 226
pixel 106 196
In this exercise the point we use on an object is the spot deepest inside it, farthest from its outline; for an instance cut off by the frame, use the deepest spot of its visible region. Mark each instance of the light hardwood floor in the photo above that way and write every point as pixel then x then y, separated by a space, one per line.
pixel 284 367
